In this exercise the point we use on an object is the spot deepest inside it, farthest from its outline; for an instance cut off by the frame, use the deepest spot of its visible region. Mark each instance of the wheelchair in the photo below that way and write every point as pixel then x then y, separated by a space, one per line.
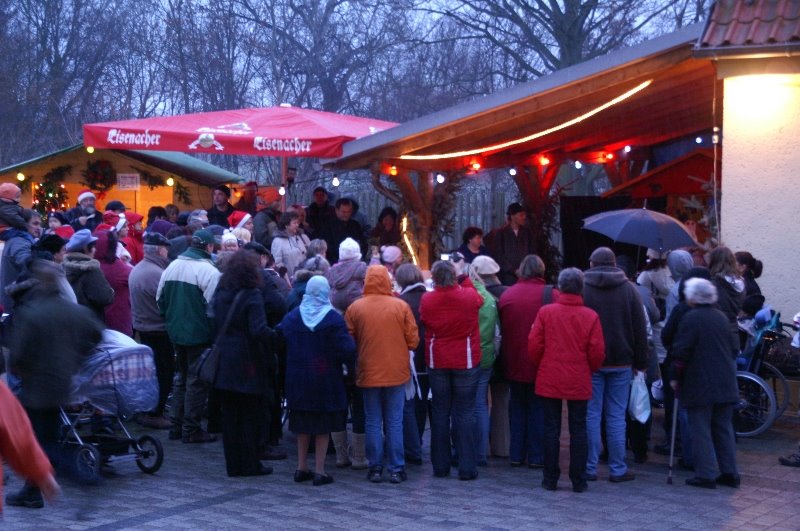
pixel 763 389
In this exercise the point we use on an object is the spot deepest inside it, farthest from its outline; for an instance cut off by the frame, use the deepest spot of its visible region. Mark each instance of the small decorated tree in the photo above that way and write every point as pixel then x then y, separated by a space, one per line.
pixel 51 194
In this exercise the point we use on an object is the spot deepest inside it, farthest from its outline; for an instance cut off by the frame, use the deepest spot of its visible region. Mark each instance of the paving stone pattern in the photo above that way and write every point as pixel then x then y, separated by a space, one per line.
pixel 191 491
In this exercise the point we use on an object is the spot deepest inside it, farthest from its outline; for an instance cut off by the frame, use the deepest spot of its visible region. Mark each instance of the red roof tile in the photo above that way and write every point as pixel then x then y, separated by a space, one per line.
pixel 752 23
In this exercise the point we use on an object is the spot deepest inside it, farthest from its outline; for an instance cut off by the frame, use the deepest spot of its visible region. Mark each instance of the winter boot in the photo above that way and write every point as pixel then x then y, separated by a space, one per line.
pixel 358 454
pixel 29 496
pixel 340 443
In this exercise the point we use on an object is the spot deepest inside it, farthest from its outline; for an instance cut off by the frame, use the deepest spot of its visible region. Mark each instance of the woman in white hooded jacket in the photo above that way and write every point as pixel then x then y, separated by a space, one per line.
pixel 290 244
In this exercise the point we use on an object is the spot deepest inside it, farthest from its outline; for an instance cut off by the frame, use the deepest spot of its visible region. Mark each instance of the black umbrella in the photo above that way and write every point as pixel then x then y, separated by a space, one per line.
pixel 640 226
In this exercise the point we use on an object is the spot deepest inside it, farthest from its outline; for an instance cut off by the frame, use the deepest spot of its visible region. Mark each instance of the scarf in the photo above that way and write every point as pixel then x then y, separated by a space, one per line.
pixel 316 302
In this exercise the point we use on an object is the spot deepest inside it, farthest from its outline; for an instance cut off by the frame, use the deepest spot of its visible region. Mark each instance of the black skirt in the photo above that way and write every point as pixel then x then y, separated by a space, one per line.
pixel 317 422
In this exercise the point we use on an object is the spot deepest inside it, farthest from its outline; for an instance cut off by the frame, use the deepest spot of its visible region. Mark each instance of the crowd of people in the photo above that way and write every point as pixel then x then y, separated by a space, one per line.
pixel 309 307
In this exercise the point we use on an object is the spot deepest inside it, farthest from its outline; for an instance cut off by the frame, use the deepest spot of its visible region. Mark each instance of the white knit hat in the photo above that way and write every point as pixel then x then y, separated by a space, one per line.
pixel 349 250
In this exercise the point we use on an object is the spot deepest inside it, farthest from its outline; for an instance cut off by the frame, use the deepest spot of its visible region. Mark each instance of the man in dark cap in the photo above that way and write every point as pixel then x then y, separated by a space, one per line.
pixel 116 206
pixel 319 211
pixel 184 293
pixel 222 208
pixel 608 292
pixel 150 324
pixel 512 242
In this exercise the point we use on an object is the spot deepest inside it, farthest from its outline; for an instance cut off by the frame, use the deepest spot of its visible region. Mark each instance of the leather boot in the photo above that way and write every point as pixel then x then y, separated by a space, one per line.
pixel 340 443
pixel 358 453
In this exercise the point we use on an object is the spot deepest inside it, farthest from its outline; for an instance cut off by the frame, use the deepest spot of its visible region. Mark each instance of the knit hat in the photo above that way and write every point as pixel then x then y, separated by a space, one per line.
pixel 161 226
pixel 229 236
pixel 154 238
pixel 224 189
pixel 65 231
pixel 603 256
pixel 238 219
pixel 700 291
pixel 202 237
pixel 9 191
pixel 80 240
pixel 390 254
pixel 485 265
pixel 60 216
pixel 51 243
pixel 85 194
pixel 349 250
pixel 115 205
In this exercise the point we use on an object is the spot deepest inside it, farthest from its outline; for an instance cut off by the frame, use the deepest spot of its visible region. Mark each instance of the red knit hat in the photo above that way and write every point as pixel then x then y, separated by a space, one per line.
pixel 9 191
pixel 65 231
pixel 238 219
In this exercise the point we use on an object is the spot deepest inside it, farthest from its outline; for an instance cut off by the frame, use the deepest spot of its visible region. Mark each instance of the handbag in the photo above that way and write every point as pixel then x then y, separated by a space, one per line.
pixel 208 364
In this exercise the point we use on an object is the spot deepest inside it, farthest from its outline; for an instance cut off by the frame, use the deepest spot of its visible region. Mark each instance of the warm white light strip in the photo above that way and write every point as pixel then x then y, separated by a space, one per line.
pixel 408 241
pixel 504 145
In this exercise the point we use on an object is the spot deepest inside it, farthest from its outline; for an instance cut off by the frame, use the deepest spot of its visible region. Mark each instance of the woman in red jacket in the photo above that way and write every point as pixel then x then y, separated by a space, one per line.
pixel 566 346
pixel 453 355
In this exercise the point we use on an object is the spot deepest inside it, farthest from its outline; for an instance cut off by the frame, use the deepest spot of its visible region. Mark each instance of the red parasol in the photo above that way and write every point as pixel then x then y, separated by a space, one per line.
pixel 282 131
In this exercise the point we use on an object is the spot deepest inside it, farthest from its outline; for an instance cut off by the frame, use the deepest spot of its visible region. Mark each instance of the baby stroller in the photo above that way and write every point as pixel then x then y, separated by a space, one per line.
pixel 117 380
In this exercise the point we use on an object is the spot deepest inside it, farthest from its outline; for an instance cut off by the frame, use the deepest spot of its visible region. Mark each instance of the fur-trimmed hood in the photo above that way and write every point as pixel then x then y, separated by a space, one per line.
pixel 76 264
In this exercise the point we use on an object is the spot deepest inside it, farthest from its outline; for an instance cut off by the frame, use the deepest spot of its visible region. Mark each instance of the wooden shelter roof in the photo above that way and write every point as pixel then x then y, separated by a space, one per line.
pixel 186 166
pixel 678 101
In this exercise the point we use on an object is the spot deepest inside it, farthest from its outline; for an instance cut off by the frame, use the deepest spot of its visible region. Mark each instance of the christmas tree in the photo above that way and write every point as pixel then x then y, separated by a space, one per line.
pixel 51 194
pixel 49 197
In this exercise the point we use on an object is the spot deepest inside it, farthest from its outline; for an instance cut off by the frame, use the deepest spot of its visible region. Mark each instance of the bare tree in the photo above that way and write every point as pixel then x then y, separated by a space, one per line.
pixel 540 36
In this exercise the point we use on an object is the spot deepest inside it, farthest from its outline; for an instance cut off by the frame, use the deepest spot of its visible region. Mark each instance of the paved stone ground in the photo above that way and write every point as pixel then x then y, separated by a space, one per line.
pixel 191 491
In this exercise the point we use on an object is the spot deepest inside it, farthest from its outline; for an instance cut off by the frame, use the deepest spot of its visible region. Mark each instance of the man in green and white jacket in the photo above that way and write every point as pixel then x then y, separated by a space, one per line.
pixel 183 295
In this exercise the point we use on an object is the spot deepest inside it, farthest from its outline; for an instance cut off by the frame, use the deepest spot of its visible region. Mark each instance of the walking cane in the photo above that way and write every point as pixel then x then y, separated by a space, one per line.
pixel 672 439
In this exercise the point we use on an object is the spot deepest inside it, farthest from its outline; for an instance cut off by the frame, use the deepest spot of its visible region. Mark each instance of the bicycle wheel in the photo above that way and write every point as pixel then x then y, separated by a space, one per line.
pixel 780 387
pixel 755 411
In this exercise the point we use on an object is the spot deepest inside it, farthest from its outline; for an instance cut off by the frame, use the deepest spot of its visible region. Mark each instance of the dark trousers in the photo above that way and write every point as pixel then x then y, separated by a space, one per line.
pixel 578 445
pixel 638 435
pixel 189 394
pixel 713 441
pixel 415 414
pixel 453 404
pixel 45 424
pixel 526 421
pixel 164 359
pixel 241 424
pixel 357 414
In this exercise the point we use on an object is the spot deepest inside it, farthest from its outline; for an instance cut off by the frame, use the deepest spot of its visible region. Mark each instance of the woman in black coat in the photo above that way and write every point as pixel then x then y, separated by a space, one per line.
pixel 246 365
pixel 704 372
pixel 415 411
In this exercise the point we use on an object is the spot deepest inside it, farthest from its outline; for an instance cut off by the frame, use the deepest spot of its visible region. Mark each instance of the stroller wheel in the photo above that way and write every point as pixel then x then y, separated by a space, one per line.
pixel 87 464
pixel 149 454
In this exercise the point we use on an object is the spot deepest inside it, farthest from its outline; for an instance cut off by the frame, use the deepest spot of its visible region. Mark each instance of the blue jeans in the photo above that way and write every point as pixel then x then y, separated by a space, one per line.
pixel 482 414
pixel 610 390
pixel 383 408
pixel 526 420
pixel 453 401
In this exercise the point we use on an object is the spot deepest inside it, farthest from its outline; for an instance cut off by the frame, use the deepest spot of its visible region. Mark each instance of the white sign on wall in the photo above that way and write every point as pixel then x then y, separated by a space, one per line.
pixel 127 181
